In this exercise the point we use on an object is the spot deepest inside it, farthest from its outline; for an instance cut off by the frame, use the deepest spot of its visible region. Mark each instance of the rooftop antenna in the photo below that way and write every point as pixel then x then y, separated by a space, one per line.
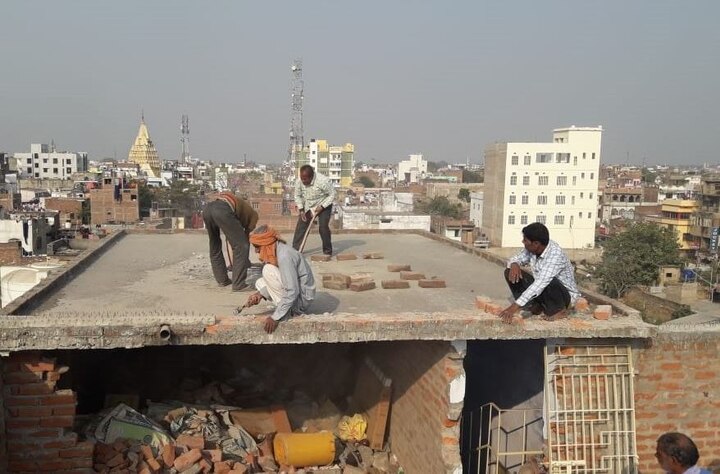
pixel 297 138
pixel 185 139
pixel 244 160
pixel 52 145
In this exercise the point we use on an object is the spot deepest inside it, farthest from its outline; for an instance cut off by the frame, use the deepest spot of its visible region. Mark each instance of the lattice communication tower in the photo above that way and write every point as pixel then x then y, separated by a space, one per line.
pixel 297 138
pixel 185 139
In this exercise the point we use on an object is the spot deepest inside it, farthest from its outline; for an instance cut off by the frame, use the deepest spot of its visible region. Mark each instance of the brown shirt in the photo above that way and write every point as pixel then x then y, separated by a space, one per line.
pixel 247 216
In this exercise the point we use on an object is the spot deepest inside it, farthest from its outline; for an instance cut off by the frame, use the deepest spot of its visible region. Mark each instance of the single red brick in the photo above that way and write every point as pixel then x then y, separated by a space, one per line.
pixel 60 397
pixel 188 459
pixel 334 285
pixel 321 258
pixel 190 442
pixel 22 466
pixel 154 465
pixel 399 268
pixel 66 410
pixel 168 455
pixel 83 449
pixel 395 284
pixel 57 422
pixel 39 388
pixel 481 302
pixel 364 286
pixel 23 412
pixel 406 275
pixel 434 283
pixel 17 423
pixel 346 256
pixel 43 365
pixel 46 433
pixel 21 401
pixel 22 377
pixel 68 441
pixel 603 312
pixel 147 451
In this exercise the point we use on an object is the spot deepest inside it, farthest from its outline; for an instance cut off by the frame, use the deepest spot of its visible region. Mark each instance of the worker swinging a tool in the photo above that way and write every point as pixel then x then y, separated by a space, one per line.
pixel 314 196
pixel 287 279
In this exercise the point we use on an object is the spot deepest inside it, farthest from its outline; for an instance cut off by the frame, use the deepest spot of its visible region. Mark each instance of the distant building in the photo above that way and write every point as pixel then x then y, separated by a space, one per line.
pixel 144 154
pixel 335 162
pixel 412 170
pixel 44 162
pixel 114 203
pixel 476 208
pixel 705 222
pixel 626 202
pixel 553 183
pixel 675 215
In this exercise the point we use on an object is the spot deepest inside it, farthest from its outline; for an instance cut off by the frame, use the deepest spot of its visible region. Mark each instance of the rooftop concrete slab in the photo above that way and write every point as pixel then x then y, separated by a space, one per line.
pixel 145 280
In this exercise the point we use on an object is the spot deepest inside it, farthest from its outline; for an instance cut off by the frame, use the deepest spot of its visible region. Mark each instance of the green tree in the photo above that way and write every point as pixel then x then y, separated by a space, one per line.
pixel 145 196
pixel 634 258
pixel 366 181
pixel 648 176
pixel 181 195
pixel 464 194
pixel 473 176
pixel 440 206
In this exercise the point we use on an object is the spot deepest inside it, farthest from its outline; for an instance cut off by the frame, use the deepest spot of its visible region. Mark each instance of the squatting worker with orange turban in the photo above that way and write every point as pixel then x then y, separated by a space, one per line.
pixel 287 280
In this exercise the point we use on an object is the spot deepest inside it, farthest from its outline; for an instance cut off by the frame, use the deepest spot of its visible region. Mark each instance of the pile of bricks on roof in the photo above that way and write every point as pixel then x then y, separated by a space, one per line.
pixel 365 281
pixel 582 307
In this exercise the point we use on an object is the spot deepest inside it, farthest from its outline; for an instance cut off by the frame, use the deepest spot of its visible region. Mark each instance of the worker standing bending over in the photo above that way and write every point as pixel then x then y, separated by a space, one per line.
pixel 314 196
pixel 287 279
pixel 236 218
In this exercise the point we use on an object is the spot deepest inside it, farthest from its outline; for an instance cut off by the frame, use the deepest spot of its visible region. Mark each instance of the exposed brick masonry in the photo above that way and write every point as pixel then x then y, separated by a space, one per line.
pixel 424 431
pixel 39 418
pixel 677 388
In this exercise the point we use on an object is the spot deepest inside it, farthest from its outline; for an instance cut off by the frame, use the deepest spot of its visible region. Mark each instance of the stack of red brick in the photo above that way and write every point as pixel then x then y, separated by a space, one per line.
pixel 187 456
pixel 39 418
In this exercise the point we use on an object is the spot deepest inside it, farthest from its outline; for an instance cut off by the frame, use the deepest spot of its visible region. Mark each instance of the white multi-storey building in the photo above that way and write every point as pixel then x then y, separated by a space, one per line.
pixel 413 169
pixel 553 183
pixel 44 162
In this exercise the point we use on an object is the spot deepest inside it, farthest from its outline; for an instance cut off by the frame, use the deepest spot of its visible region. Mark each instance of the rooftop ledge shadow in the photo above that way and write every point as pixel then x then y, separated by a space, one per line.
pixel 119 294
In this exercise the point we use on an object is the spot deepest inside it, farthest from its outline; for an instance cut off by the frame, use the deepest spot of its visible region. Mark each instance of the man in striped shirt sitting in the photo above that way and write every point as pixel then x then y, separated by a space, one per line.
pixel 551 289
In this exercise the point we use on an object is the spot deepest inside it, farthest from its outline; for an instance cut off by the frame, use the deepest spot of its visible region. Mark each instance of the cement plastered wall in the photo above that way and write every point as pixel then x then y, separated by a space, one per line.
pixel 677 388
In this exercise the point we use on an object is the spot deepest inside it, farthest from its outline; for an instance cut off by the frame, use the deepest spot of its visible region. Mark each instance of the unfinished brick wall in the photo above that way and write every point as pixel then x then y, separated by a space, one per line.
pixel 677 388
pixel 424 430
pixel 38 418
pixel 10 253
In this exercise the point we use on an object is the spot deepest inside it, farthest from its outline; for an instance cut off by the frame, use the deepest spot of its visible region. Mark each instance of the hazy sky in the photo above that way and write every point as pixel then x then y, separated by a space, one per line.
pixel 442 78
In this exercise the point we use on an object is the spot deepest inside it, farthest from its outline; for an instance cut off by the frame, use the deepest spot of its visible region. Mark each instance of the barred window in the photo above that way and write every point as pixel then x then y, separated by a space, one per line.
pixel 559 220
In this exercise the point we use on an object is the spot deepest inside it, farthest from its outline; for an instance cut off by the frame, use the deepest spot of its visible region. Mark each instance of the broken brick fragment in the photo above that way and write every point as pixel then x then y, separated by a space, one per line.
pixel 582 305
pixel 482 301
pixel 190 442
pixel 185 461
pixel 373 256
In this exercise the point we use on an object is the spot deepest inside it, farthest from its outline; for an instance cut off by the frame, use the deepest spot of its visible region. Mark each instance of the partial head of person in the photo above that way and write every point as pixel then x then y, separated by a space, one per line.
pixel 535 238
pixel 676 453
pixel 307 173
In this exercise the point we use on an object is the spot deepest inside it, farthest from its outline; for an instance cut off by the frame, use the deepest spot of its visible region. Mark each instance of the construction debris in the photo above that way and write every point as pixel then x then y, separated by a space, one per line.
pixel 210 436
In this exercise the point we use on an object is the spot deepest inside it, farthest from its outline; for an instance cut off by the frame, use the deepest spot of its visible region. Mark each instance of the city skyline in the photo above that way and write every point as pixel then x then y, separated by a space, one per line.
pixel 444 81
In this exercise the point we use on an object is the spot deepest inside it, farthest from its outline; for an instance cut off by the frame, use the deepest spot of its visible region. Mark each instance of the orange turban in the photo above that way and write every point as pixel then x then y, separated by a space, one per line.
pixel 265 237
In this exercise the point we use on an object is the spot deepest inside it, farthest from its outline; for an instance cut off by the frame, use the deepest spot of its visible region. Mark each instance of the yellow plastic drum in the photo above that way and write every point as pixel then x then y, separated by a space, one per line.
pixel 304 449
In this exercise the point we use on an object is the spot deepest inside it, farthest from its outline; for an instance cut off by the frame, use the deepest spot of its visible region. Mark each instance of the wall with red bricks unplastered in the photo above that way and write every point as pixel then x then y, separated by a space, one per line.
pixel 677 388
pixel 38 418
pixel 424 430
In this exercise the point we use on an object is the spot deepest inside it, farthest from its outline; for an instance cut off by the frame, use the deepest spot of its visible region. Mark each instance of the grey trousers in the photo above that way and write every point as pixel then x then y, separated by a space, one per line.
pixel 218 215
